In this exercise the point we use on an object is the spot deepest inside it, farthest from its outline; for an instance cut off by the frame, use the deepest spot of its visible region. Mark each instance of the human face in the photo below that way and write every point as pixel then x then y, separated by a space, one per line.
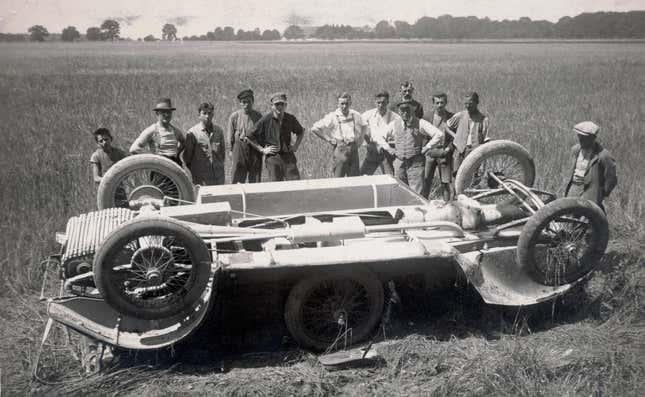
pixel 104 142
pixel 406 92
pixel 470 104
pixel 439 104
pixel 206 116
pixel 586 141
pixel 343 105
pixel 279 108
pixel 164 116
pixel 246 104
pixel 406 113
pixel 381 104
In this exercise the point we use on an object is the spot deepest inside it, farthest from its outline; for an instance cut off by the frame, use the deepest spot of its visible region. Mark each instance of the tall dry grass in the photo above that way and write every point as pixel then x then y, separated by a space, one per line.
pixel 54 95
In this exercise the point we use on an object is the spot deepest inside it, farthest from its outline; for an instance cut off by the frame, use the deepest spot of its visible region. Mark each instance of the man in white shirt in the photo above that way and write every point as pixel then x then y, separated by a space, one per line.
pixel 344 129
pixel 377 119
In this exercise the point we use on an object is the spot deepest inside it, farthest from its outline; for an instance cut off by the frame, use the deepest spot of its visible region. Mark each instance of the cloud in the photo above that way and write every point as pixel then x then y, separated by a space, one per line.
pixel 126 20
pixel 182 20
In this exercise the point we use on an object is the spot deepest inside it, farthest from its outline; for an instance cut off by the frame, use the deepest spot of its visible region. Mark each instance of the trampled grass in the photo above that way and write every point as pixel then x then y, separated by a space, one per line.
pixel 54 95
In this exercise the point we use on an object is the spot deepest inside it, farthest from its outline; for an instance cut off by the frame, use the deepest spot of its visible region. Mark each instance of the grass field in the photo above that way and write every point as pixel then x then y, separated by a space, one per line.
pixel 54 95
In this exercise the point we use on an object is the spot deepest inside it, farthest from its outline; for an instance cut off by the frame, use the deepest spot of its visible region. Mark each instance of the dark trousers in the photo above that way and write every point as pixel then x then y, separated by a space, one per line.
pixel 247 163
pixel 444 167
pixel 282 167
pixel 374 160
pixel 345 160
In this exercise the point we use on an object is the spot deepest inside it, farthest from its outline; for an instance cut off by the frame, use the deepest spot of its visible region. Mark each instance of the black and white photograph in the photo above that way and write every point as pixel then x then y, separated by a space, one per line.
pixel 330 198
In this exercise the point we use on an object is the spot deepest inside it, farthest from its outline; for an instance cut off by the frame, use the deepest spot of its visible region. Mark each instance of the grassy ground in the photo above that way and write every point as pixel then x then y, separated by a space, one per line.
pixel 54 95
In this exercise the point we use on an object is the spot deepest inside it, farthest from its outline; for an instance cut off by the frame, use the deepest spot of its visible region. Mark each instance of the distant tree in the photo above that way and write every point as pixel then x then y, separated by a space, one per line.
pixel 169 32
pixel 271 35
pixel 384 30
pixel 8 37
pixel 229 33
pixel 110 29
pixel 37 33
pixel 93 34
pixel 150 38
pixel 294 32
pixel 70 34
pixel 403 29
pixel 218 34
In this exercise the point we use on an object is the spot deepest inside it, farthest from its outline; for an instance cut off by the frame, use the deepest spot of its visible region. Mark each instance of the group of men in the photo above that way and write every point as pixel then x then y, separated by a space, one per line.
pixel 400 139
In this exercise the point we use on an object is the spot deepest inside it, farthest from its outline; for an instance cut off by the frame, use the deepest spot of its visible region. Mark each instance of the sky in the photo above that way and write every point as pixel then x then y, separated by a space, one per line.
pixel 139 18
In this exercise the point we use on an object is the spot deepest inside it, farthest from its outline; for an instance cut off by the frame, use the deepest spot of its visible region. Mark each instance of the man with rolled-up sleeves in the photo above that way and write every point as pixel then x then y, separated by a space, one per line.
pixel 344 129
pixel 410 134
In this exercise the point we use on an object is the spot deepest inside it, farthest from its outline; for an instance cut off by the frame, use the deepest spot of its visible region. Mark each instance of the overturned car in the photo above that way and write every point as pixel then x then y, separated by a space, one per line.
pixel 143 271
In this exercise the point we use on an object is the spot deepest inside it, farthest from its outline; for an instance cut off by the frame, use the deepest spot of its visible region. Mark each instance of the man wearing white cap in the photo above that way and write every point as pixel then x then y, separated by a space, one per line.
pixel 593 174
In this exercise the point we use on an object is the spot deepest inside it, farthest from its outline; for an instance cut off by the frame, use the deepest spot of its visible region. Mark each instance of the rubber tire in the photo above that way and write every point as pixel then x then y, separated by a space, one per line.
pixel 550 211
pixel 110 181
pixel 292 314
pixel 199 253
pixel 474 159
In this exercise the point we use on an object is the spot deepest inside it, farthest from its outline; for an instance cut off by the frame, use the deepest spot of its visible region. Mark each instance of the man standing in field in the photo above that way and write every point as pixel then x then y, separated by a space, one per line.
pixel 271 136
pixel 205 149
pixel 247 162
pixel 593 174
pixel 440 159
pixel 344 129
pixel 161 137
pixel 470 127
pixel 406 95
pixel 377 119
pixel 409 134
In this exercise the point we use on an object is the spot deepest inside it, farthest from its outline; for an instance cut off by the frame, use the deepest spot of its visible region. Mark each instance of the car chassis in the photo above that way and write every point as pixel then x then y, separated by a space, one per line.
pixel 145 276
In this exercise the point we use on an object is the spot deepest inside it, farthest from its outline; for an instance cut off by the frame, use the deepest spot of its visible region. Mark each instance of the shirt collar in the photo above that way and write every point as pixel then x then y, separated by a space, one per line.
pixel 341 116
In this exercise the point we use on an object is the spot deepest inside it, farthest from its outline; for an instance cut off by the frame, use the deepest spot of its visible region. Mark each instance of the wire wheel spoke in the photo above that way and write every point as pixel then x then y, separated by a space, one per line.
pixel 334 306
pixel 152 270
pixel 568 240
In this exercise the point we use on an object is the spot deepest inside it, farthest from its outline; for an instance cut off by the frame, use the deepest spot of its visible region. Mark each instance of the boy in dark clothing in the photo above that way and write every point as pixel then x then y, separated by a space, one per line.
pixel 105 155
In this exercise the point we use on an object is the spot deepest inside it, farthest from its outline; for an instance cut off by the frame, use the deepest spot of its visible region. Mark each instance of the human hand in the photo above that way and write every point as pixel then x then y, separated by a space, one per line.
pixel 270 150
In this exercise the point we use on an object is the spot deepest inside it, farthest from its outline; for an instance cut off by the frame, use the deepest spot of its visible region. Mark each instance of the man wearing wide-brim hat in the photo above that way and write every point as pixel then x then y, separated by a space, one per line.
pixel 161 137
pixel 272 136
pixel 593 170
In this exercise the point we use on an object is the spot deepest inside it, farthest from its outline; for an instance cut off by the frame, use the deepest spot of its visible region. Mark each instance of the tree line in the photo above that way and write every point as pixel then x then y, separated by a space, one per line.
pixel 598 25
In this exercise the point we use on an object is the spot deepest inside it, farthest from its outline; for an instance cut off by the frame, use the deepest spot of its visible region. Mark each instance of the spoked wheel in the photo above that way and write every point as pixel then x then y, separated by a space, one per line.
pixel 141 179
pixel 563 241
pixel 334 308
pixel 503 159
pixel 152 268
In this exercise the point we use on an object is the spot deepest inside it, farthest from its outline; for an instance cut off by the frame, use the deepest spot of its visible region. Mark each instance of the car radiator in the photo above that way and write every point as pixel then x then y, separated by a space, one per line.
pixel 86 232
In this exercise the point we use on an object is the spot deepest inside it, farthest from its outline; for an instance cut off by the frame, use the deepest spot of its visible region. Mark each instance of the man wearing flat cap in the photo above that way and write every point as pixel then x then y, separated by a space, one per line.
pixel 470 127
pixel 593 174
pixel 247 162
pixel 271 136
pixel 344 129
pixel 161 137
pixel 205 149
pixel 410 135
pixel 406 95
